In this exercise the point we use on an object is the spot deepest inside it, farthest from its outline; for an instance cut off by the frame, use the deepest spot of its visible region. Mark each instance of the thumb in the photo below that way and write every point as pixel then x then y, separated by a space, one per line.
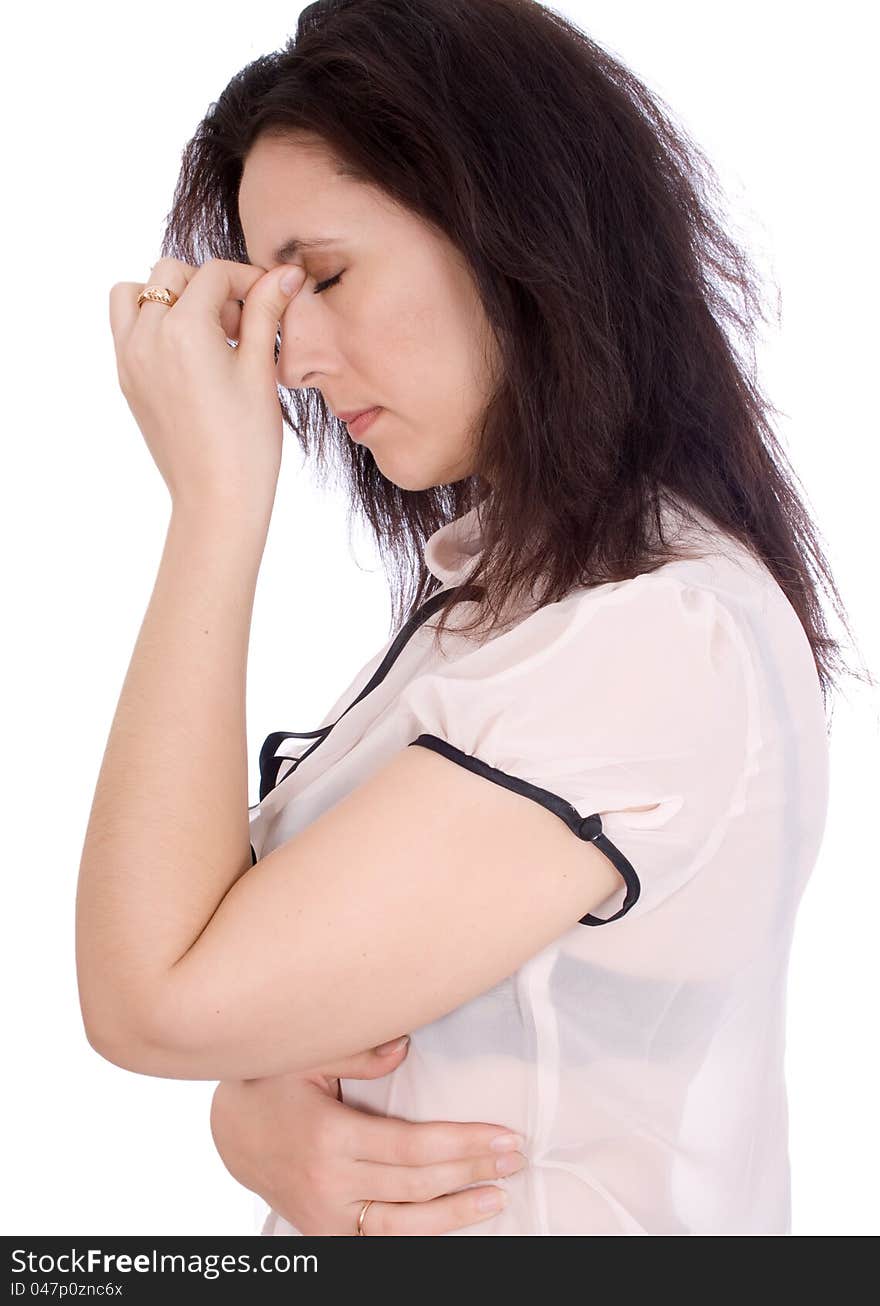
pixel 289 281
pixel 395 1045
pixel 264 308
pixel 371 1064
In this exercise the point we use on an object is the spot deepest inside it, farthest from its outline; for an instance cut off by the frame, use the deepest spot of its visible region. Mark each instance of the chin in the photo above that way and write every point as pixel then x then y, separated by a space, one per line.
pixel 413 482
pixel 414 477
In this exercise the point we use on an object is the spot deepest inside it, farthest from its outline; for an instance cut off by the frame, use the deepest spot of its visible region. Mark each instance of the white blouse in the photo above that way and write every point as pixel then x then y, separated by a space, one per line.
pixel 641 1054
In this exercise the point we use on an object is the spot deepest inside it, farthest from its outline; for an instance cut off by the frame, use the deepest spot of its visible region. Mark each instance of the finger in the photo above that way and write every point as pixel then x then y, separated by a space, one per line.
pixel 393 1045
pixel 395 1141
pixel 422 1183
pixel 124 312
pixel 123 308
pixel 263 310
pixel 169 273
pixel 125 315
pixel 221 284
pixel 423 1219
pixel 230 319
pixel 216 289
pixel 371 1064
pixel 123 297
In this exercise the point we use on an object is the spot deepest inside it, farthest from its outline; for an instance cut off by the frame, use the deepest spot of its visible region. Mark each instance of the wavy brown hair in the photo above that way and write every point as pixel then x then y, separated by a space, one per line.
pixel 588 219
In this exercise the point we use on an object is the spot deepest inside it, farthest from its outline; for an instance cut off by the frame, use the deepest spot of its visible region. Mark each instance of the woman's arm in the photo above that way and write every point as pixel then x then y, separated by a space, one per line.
pixel 168 833
pixel 190 963
pixel 382 885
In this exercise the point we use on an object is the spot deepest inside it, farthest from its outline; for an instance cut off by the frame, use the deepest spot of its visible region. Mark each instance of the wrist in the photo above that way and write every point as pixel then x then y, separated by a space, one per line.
pixel 224 521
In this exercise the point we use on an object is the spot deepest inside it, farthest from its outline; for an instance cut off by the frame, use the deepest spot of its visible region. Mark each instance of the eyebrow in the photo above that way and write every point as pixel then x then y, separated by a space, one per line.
pixel 284 253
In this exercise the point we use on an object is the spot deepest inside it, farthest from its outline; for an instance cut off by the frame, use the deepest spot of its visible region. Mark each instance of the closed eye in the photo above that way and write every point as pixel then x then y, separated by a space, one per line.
pixel 325 285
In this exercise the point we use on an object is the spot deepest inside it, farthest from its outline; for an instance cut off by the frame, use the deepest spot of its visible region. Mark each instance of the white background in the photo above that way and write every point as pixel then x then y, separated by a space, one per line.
pixel 99 101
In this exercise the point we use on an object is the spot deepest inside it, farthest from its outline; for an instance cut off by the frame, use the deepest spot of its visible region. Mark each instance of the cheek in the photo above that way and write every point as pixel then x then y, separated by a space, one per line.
pixel 400 343
pixel 410 324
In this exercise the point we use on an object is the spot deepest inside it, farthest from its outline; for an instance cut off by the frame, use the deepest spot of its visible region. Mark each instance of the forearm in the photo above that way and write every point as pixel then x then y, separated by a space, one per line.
pixel 168 833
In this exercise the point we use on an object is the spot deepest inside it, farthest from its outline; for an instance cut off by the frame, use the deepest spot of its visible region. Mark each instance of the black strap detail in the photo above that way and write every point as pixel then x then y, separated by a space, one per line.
pixel 585 827
pixel 270 765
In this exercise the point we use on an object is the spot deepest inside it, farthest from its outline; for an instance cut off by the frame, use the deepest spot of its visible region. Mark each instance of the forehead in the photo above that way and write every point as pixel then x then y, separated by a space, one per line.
pixel 295 190
pixel 276 163
pixel 292 195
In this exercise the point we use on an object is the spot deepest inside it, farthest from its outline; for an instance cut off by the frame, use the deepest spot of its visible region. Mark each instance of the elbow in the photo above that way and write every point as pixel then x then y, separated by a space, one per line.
pixel 123 1042
pixel 120 1051
pixel 142 1057
pixel 109 1022
pixel 143 1052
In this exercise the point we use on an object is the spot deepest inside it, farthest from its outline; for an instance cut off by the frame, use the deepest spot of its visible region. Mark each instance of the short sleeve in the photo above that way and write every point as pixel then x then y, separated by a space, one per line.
pixel 629 695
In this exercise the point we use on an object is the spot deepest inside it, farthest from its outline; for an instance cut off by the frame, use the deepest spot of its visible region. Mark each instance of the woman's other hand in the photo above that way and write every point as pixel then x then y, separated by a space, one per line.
pixel 315 1160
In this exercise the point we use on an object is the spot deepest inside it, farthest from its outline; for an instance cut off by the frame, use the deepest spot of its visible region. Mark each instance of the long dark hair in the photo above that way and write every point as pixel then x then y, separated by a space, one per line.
pixel 587 221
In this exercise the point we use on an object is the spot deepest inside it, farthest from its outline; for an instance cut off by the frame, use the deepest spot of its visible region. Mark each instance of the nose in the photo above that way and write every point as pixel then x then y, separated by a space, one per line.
pixel 304 349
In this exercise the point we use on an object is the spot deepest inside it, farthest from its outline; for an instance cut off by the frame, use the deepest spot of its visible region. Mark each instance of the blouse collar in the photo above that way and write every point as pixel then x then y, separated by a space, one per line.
pixel 450 552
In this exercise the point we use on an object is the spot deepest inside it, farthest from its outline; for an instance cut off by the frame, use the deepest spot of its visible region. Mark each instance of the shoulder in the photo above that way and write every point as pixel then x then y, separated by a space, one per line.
pixel 609 629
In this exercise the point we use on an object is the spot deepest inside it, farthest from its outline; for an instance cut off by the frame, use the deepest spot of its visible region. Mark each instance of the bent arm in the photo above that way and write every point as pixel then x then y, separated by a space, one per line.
pixel 168 833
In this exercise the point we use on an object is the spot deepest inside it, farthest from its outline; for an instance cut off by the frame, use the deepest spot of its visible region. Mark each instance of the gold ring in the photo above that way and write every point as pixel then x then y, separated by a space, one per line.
pixel 360 1224
pixel 158 295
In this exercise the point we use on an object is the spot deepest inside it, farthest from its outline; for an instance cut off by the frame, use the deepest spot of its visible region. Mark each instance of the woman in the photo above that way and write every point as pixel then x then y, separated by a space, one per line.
pixel 577 889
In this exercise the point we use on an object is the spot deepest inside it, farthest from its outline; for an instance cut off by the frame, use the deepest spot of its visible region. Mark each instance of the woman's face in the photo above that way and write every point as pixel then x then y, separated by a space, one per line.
pixel 403 329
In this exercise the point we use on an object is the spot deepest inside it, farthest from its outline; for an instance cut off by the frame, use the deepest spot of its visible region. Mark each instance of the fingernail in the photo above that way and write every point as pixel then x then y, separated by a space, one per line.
pixel 290 281
pixel 508 1164
pixel 385 1049
pixel 507 1142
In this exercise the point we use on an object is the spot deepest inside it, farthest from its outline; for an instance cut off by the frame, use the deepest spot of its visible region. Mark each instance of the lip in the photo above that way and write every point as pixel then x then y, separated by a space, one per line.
pixel 359 424
pixel 352 414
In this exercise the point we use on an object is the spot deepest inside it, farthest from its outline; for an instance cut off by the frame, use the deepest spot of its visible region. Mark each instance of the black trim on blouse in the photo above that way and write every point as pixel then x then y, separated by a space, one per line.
pixel 270 765
pixel 585 827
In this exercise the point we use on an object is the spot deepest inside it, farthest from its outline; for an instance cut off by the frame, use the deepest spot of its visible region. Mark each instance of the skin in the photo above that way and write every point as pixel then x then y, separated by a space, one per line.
pixel 372 338
pixel 314 1160
pixel 403 329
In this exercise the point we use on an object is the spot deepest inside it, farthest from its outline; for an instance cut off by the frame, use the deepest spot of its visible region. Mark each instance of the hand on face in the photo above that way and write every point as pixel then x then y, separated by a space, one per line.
pixel 209 413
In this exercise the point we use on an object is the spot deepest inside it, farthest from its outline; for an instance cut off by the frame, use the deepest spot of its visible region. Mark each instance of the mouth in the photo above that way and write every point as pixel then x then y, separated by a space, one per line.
pixel 357 425
pixel 351 414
